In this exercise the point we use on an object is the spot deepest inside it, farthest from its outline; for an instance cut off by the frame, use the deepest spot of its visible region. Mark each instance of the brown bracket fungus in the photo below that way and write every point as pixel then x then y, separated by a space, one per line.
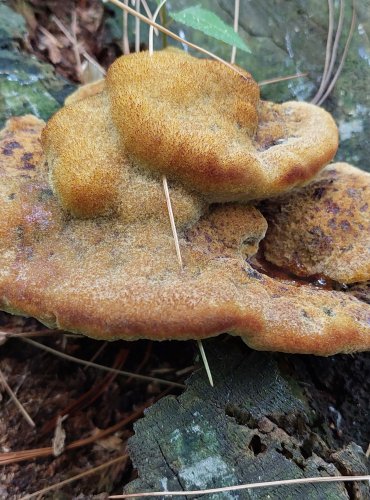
pixel 88 244
pixel 198 122
pixel 323 228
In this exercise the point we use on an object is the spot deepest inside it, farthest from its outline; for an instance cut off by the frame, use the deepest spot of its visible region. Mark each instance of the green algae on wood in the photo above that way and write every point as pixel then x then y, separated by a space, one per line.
pixel 29 87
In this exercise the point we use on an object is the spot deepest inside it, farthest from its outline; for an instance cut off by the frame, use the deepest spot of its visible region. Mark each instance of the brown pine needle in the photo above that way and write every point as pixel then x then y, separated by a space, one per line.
pixel 16 401
pixel 87 472
pixel 91 364
pixel 172 221
pixel 249 486
pixel 281 79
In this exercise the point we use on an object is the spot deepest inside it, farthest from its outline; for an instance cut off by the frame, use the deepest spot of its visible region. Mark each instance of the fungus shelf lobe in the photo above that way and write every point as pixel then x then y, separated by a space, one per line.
pixel 88 238
pixel 198 122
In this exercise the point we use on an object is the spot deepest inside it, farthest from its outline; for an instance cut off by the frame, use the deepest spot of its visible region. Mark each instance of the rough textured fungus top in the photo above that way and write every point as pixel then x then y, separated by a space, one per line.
pixel 324 228
pixel 204 125
pixel 113 277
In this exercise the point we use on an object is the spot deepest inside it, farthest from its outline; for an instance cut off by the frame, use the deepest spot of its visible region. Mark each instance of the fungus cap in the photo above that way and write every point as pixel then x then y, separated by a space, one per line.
pixel 91 175
pixel 110 278
pixel 200 123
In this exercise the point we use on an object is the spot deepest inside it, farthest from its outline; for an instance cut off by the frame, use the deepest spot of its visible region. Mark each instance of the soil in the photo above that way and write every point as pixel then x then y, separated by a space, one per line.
pixel 46 385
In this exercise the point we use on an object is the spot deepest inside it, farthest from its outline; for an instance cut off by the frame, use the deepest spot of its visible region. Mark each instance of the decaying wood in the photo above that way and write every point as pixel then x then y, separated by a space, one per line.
pixel 257 424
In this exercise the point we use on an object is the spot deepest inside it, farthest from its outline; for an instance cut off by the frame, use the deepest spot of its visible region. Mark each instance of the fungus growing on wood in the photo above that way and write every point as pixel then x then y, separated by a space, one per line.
pixel 89 248
pixel 198 122
pixel 323 229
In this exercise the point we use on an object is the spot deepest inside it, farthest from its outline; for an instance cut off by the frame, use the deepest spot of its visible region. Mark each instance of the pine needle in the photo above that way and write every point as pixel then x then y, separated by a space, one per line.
pixel 249 486
pixel 16 401
pixel 236 27
pixel 172 221
pixel 205 361
pixel 91 364
pixel 87 472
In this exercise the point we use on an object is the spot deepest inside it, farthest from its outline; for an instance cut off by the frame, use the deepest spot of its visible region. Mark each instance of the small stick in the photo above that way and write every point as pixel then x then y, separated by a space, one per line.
pixel 16 400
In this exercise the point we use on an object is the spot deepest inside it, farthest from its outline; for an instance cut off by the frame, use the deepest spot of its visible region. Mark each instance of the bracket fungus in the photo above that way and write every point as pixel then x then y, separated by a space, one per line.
pixel 87 245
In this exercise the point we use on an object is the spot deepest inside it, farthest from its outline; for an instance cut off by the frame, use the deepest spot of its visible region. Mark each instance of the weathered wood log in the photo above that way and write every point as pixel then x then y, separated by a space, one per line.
pixel 257 424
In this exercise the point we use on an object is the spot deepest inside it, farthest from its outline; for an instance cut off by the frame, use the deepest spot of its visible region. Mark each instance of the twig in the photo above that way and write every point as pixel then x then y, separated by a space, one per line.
pixel 83 52
pixel 249 486
pixel 87 472
pixel 146 378
pixel 75 47
pixel 16 400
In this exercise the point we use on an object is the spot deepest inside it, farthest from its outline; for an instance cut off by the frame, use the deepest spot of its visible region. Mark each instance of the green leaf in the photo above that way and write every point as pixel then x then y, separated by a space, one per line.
pixel 210 24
